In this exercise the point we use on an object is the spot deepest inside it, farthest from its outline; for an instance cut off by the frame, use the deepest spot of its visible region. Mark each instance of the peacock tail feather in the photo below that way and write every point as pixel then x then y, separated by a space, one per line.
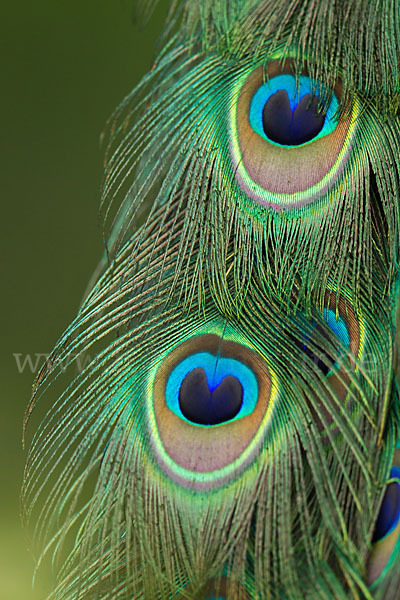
pixel 225 422
pixel 291 207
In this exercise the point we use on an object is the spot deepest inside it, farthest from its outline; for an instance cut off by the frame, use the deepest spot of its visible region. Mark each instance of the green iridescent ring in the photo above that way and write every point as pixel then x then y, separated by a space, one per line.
pixel 279 175
pixel 186 445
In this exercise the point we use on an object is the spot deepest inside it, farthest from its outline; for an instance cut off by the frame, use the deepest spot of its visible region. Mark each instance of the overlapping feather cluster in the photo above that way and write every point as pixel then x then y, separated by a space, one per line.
pixel 234 430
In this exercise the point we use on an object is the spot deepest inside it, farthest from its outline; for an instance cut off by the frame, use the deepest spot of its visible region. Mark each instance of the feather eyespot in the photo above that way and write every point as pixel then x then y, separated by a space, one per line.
pixel 324 359
pixel 207 389
pixel 325 349
pixel 288 146
pixel 386 536
pixel 389 514
pixel 209 405
pixel 286 112
pixel 332 344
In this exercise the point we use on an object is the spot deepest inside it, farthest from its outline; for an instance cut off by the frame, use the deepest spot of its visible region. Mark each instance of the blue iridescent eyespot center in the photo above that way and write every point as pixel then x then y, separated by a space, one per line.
pixel 389 513
pixel 208 390
pixel 286 111
pixel 339 328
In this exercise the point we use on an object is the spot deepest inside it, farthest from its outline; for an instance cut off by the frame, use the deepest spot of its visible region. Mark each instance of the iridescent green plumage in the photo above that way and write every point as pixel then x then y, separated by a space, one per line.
pixel 269 290
pixel 182 136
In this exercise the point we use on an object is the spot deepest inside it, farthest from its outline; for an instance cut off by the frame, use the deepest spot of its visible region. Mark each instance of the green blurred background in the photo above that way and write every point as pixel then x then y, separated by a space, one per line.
pixel 64 68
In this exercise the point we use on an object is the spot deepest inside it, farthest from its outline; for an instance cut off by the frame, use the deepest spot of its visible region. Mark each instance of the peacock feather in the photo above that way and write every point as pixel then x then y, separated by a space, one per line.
pixel 290 208
pixel 234 433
